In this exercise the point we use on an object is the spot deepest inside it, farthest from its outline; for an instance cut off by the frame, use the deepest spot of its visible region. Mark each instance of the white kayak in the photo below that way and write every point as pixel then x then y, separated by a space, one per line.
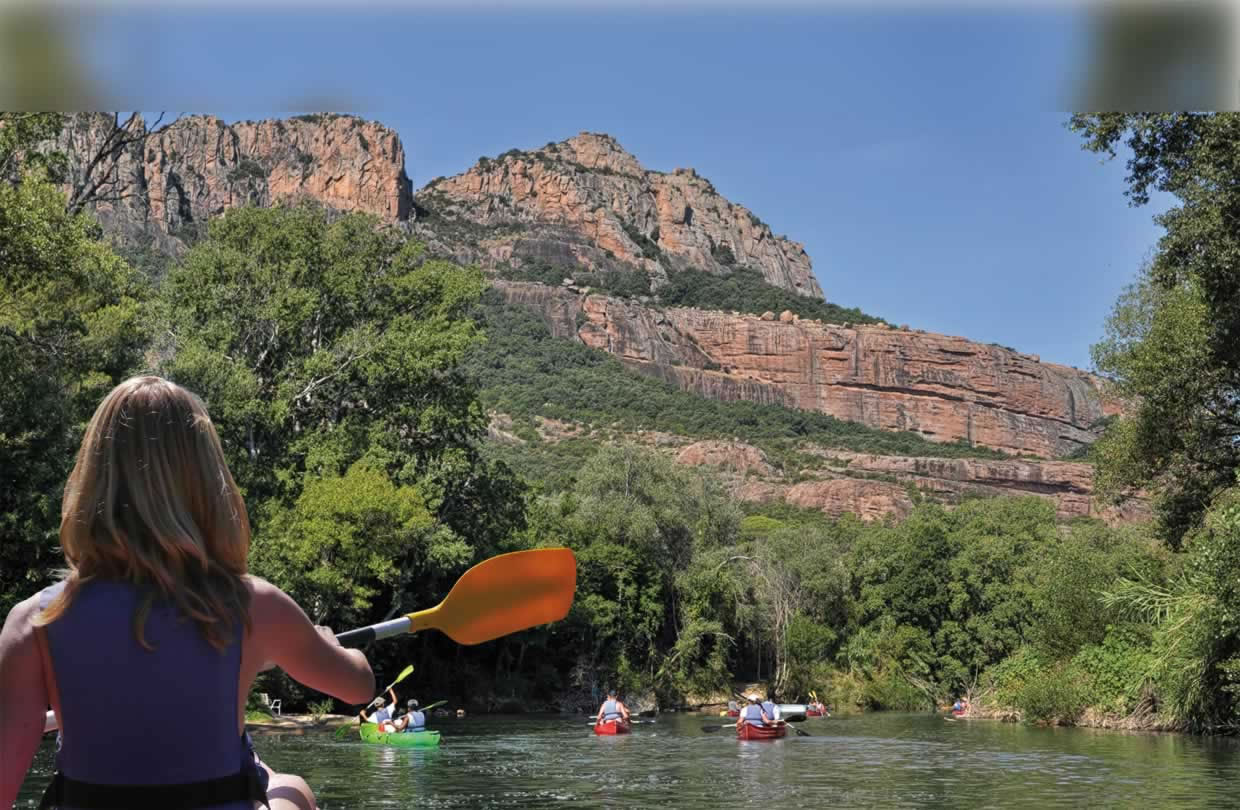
pixel 787 710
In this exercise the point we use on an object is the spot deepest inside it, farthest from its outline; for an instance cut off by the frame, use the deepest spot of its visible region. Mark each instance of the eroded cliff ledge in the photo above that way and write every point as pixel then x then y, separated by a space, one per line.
pixel 876 487
pixel 944 388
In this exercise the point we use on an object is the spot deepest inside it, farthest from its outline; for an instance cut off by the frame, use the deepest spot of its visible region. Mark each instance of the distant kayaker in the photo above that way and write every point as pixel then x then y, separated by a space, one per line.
pixel 733 708
pixel 156 605
pixel 612 709
pixel 412 720
pixel 961 706
pixel 754 714
pixel 382 715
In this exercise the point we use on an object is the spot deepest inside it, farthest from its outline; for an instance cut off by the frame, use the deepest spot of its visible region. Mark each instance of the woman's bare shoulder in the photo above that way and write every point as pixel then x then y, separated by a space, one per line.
pixel 268 602
pixel 20 622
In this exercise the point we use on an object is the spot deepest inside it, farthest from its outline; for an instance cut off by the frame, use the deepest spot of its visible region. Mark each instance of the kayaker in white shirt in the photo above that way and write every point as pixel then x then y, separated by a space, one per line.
pixel 382 716
pixel 754 714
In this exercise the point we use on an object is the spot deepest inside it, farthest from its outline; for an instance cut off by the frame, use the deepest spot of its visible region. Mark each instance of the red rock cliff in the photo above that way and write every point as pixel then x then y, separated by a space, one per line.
pixel 199 166
pixel 592 202
pixel 945 388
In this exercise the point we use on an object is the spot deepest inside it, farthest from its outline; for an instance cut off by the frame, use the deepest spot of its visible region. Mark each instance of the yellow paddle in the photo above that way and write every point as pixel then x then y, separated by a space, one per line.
pixel 404 673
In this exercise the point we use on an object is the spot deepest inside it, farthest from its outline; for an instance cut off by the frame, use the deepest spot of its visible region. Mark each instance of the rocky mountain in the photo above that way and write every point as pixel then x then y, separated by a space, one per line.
pixel 164 187
pixel 585 206
pixel 587 203
pixel 945 388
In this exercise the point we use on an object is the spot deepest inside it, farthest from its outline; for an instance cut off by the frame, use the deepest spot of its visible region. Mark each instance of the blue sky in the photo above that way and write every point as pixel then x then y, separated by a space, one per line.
pixel 919 156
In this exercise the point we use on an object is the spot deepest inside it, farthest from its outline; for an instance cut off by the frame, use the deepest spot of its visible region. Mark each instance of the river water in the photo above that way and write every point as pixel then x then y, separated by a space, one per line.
pixel 872 760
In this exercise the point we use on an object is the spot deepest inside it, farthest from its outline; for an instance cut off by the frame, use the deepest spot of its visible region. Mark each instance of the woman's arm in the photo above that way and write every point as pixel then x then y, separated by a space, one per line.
pixel 284 635
pixel 23 699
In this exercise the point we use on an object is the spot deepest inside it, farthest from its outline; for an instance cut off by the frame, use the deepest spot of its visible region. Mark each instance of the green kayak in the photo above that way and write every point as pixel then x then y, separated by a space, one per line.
pixel 413 739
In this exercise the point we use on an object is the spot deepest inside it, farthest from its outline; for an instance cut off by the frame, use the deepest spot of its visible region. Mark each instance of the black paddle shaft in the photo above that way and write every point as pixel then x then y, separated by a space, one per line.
pixel 356 638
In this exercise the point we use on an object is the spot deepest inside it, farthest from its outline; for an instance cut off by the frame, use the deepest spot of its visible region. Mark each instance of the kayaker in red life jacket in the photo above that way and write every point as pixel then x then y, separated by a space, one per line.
pixel 412 720
pixel 382 716
pixel 156 595
pixel 754 714
pixel 612 709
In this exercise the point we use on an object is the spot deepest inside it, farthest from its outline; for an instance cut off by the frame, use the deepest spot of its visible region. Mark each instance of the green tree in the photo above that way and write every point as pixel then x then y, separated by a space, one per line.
pixel 1172 344
pixel 321 344
pixel 637 522
pixel 348 536
pixel 69 330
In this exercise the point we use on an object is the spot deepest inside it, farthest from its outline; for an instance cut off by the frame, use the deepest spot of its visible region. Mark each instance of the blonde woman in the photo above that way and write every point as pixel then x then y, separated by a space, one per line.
pixel 156 605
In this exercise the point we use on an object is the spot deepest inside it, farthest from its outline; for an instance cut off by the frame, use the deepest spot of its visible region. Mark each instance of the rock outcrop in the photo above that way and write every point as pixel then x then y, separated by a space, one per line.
pixel 168 185
pixel 944 388
pixel 874 487
pixel 585 202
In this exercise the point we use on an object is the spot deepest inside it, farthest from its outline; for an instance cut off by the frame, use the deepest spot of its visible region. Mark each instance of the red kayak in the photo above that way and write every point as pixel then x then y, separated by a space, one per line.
pixel 751 732
pixel 813 713
pixel 732 713
pixel 613 727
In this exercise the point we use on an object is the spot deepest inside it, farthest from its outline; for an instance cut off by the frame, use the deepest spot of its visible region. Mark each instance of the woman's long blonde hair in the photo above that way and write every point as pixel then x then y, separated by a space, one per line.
pixel 151 502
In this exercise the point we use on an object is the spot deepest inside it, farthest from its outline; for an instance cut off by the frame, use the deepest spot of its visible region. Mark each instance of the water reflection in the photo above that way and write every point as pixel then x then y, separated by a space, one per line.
pixel 873 760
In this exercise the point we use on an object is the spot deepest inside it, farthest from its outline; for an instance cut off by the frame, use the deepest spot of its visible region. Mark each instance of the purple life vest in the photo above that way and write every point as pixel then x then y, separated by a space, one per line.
pixel 146 726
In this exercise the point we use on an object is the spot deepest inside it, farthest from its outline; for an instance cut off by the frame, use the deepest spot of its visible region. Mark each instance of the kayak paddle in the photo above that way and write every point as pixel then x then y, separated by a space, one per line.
pixel 404 673
pixel 496 597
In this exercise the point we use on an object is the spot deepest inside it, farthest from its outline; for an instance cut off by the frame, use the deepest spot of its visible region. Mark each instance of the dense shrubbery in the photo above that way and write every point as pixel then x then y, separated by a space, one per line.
pixel 623 283
pixel 874 615
pixel 744 290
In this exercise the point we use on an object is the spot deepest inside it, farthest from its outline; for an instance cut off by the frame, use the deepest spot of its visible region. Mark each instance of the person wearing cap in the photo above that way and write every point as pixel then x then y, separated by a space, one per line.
pixel 413 719
pixel 612 709
pixel 382 716
pixel 754 714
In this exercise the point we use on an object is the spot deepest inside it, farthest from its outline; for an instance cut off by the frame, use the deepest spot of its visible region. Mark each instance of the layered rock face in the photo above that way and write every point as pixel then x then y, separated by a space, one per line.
pixel 944 388
pixel 874 487
pixel 167 187
pixel 587 202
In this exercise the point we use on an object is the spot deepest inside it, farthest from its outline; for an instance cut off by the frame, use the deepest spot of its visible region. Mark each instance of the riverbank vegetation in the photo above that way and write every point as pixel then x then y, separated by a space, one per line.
pixel 350 377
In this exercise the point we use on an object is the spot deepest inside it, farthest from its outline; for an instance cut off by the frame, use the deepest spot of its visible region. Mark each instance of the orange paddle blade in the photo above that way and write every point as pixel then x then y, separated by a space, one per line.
pixel 503 595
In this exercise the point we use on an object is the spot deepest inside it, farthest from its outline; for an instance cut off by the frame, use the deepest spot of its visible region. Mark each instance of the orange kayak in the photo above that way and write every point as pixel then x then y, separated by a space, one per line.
pixel 613 727
pixel 751 732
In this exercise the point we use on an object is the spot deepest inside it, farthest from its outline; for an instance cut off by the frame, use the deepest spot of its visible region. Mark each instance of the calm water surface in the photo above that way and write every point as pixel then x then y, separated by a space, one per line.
pixel 875 760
